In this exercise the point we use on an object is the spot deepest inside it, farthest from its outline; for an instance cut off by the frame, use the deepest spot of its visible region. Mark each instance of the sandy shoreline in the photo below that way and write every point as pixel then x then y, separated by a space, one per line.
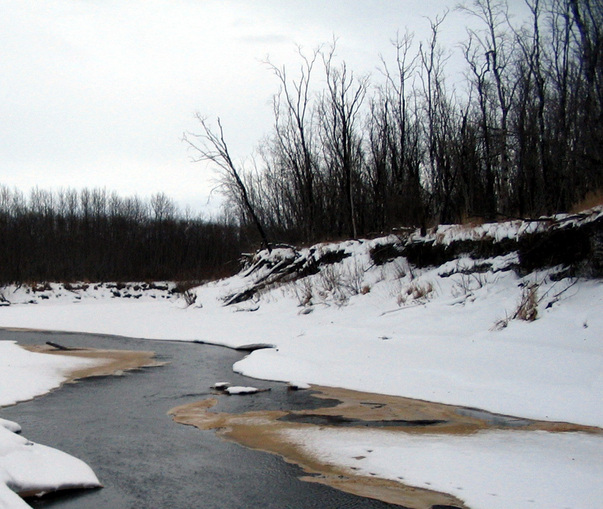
pixel 266 431
pixel 113 362
pixel 109 362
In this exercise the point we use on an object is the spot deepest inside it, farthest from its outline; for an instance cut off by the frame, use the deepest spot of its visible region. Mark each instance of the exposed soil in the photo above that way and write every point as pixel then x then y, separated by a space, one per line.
pixel 111 362
pixel 264 430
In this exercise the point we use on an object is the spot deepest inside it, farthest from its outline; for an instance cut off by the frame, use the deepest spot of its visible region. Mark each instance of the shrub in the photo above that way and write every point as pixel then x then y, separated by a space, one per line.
pixel 303 291
pixel 527 309
pixel 189 297
pixel 416 291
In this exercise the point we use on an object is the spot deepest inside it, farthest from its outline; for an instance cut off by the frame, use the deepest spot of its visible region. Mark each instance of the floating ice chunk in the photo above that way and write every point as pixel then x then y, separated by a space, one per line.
pixel 243 390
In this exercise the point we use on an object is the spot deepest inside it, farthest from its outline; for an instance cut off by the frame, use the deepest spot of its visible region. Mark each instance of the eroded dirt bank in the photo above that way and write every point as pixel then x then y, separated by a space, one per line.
pixel 266 431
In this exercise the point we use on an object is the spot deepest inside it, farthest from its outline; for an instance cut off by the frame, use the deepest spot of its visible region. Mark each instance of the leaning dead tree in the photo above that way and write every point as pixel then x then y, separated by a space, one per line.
pixel 211 146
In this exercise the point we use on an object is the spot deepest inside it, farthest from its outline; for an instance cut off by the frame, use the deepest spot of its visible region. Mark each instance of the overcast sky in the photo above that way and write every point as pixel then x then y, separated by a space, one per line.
pixel 97 93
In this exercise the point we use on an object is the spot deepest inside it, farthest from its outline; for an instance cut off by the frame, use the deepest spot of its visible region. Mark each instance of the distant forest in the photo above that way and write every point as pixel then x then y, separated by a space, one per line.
pixel 93 235
pixel 349 155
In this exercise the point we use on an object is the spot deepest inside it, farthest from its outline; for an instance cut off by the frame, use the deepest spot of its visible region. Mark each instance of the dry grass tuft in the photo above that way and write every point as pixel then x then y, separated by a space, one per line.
pixel 592 199
pixel 527 309
pixel 415 292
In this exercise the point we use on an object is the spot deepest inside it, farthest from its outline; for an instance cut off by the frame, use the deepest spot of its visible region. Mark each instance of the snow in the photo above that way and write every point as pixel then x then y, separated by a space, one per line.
pixel 487 470
pixel 240 390
pixel 549 369
pixel 446 234
pixel 34 468
pixel 299 386
pixel 25 466
pixel 439 334
pixel 440 348
pixel 10 425
pixel 25 375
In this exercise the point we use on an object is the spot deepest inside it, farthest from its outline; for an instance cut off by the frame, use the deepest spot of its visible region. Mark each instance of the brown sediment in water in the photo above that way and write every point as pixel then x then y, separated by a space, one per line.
pixel 111 362
pixel 266 431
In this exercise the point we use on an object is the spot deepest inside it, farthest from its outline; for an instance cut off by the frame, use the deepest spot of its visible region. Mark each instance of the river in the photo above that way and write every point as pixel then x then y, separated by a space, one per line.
pixel 120 427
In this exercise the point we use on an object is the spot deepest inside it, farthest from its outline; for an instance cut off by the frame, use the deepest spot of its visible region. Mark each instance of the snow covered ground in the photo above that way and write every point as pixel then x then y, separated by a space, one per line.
pixel 443 334
pixel 25 375
pixel 26 467
pixel 494 470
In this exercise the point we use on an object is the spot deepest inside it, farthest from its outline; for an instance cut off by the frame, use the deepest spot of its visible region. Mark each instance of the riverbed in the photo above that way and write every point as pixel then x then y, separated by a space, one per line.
pixel 120 427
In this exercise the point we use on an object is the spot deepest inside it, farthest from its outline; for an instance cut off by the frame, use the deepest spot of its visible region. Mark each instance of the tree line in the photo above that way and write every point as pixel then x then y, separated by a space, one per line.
pixel 94 235
pixel 348 155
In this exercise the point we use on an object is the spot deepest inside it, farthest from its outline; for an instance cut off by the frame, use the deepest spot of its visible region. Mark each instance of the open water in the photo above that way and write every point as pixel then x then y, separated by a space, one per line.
pixel 120 427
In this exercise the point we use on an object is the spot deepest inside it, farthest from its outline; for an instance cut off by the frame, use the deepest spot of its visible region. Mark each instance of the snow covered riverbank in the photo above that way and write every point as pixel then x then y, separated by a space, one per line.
pixel 449 333
pixel 493 470
pixel 26 467
pixel 32 469
pixel 442 344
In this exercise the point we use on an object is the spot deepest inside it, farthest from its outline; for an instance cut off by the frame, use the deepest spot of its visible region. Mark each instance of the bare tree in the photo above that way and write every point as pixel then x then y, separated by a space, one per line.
pixel 478 79
pixel 163 207
pixel 211 146
pixel 439 131
pixel 339 112
pixel 394 136
pixel 498 50
pixel 587 16
pixel 292 143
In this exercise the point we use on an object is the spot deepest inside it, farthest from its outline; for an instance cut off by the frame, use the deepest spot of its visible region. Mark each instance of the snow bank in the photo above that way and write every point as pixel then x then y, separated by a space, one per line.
pixel 427 333
pixel 446 234
pixel 10 426
pixel 25 375
pixel 446 351
pixel 487 470
pixel 26 467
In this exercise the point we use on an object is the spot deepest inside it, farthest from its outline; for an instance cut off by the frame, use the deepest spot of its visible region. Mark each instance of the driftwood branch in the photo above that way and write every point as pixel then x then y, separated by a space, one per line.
pixel 59 347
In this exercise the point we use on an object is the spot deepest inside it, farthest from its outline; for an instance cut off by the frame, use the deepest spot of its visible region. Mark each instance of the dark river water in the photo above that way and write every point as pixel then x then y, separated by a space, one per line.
pixel 118 425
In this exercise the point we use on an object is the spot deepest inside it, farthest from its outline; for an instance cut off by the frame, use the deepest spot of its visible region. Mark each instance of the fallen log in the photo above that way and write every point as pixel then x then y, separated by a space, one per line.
pixel 59 347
